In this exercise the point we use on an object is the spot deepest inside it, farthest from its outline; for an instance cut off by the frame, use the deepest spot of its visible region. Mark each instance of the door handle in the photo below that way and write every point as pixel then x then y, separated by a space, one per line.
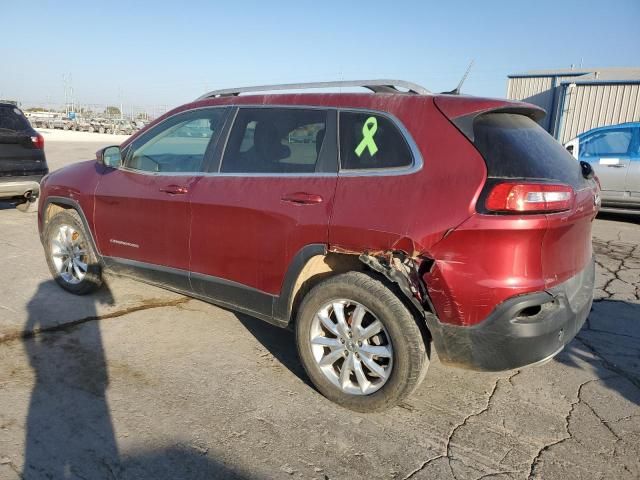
pixel 617 165
pixel 302 198
pixel 174 190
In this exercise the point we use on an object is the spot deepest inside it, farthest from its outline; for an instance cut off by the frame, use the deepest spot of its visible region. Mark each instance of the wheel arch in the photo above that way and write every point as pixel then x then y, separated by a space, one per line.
pixel 315 263
pixel 53 205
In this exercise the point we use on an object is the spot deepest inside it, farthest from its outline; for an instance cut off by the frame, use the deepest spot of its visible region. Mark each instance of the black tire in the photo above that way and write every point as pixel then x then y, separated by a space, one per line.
pixel 93 277
pixel 410 354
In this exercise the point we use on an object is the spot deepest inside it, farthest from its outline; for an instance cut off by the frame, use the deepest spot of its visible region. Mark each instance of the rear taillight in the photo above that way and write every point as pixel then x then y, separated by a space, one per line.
pixel 530 198
pixel 38 141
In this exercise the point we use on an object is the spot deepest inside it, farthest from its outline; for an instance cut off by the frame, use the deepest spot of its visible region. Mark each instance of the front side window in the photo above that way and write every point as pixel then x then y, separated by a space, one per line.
pixel 370 141
pixel 613 142
pixel 177 145
pixel 275 140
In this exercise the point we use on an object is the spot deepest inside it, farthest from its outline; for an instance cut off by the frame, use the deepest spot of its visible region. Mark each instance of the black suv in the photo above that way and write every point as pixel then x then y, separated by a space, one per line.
pixel 22 160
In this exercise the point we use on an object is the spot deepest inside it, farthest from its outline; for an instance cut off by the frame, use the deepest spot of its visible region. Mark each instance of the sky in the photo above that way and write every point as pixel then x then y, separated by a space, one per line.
pixel 170 52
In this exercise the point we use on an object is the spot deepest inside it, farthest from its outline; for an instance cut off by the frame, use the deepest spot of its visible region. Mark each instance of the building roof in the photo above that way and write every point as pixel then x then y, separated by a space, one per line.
pixel 587 75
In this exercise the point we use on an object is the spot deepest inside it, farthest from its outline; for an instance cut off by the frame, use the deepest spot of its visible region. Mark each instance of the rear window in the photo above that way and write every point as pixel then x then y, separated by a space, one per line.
pixel 515 146
pixel 12 118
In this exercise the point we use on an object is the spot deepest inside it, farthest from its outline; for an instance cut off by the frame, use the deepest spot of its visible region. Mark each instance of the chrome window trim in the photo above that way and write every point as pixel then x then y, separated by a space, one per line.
pixel 416 165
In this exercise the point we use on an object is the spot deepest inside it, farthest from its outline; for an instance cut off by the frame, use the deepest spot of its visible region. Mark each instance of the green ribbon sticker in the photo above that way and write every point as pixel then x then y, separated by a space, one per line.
pixel 368 131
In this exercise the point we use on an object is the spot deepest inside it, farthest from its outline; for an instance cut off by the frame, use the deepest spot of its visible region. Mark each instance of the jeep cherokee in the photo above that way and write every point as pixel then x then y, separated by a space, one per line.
pixel 375 224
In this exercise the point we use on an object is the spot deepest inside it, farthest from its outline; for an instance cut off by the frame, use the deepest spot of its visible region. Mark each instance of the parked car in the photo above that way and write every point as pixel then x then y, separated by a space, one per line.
pixel 22 159
pixel 411 220
pixel 614 154
pixel 82 125
pixel 121 127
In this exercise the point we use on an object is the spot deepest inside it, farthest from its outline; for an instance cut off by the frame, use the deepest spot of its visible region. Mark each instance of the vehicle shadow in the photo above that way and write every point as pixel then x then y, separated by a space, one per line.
pixel 620 217
pixel 612 334
pixel 9 204
pixel 280 342
pixel 69 431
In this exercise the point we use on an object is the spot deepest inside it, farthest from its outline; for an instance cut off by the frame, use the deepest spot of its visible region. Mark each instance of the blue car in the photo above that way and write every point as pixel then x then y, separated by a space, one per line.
pixel 614 154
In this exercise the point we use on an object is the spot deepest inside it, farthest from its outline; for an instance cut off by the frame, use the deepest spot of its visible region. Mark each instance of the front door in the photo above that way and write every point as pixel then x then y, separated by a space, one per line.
pixel 608 152
pixel 142 209
pixel 271 196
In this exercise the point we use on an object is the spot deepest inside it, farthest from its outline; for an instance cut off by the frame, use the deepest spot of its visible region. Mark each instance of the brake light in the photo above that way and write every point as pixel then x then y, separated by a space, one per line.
pixel 38 141
pixel 530 197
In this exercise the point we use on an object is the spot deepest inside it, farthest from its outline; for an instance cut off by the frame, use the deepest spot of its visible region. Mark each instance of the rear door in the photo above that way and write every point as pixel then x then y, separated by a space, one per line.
pixel 19 154
pixel 608 152
pixel 376 163
pixel 142 209
pixel 270 197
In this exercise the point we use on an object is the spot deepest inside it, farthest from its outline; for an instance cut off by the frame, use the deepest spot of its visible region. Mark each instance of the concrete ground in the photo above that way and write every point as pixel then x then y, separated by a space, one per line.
pixel 136 382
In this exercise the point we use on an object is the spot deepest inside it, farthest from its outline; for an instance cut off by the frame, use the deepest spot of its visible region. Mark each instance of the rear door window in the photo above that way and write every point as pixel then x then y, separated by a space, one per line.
pixel 371 141
pixel 275 140
pixel 515 146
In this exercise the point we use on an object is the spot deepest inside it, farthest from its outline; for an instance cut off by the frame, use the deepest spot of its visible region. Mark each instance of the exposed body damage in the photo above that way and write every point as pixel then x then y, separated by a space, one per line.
pixel 402 270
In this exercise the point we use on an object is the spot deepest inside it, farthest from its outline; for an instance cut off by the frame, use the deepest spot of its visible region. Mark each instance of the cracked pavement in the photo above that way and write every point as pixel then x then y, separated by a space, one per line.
pixel 141 383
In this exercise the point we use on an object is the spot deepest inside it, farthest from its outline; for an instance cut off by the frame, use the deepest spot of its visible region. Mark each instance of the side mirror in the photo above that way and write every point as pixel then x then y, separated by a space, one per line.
pixel 587 170
pixel 109 156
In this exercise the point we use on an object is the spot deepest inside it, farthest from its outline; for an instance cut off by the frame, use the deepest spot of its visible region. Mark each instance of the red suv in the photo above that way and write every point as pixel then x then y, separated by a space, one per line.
pixel 374 224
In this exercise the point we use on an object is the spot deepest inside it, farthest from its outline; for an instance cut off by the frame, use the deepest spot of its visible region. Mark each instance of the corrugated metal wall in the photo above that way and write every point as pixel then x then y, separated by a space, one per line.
pixel 536 90
pixel 587 106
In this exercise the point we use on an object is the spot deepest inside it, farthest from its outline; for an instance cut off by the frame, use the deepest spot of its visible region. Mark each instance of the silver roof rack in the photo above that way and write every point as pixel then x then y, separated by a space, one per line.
pixel 376 86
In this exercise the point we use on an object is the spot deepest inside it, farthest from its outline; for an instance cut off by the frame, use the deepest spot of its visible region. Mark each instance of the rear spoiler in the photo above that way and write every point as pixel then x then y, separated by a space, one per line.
pixel 463 111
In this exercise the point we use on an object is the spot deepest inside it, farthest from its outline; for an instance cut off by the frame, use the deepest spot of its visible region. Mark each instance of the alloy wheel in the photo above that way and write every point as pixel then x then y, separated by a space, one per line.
pixel 69 254
pixel 351 347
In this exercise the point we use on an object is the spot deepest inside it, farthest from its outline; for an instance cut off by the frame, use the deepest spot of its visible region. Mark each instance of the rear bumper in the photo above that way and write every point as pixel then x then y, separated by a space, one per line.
pixel 19 186
pixel 510 338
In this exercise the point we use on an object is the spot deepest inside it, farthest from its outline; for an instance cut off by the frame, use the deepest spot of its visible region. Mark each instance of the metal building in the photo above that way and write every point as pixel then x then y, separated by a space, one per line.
pixel 579 100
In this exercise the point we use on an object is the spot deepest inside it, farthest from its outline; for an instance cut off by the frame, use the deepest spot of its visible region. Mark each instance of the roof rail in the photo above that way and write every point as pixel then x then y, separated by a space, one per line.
pixel 376 86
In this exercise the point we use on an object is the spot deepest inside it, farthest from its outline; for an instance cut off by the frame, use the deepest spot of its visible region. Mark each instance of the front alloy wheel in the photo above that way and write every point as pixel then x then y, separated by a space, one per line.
pixel 69 254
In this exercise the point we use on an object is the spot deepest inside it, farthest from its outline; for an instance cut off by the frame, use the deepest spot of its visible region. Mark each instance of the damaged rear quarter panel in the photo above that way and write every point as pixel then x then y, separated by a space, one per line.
pixel 482 263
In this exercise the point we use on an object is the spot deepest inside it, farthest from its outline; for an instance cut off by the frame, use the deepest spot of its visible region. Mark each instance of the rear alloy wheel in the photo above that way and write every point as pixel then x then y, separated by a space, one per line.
pixel 358 357
pixel 70 255
pixel 360 345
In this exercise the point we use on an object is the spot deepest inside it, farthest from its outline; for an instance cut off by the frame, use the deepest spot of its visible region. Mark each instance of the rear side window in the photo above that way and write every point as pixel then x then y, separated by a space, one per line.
pixel 370 141
pixel 515 146
pixel 275 140
pixel 612 142
pixel 11 118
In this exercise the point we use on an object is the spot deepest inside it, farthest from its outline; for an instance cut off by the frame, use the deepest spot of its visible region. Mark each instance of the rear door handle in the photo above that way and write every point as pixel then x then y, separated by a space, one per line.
pixel 174 190
pixel 302 198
